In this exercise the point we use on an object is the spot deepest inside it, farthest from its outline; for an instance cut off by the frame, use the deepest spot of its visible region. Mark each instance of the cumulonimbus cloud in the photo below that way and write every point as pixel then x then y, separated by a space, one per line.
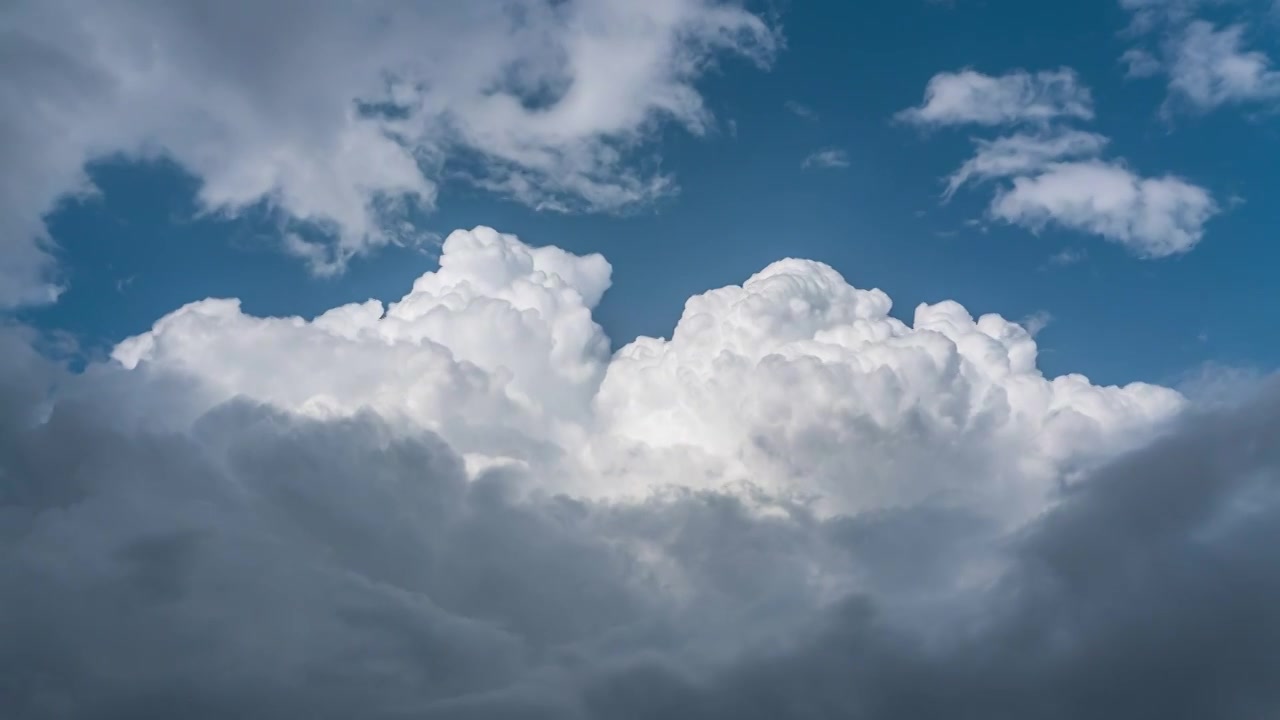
pixel 461 505
pixel 341 114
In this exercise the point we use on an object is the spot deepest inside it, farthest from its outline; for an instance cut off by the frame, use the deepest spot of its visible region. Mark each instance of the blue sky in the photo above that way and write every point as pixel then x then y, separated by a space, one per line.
pixel 142 246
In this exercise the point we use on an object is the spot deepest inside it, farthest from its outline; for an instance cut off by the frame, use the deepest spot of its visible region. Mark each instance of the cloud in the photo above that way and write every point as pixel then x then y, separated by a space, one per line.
pixel 378 514
pixel 1106 598
pixel 498 354
pixel 1023 154
pixel 801 110
pixel 1207 66
pixel 970 97
pixel 1036 322
pixel 1149 15
pixel 342 116
pixel 828 158
pixel 1067 256
pixel 1210 67
pixel 1055 173
pixel 1152 217
pixel 1140 63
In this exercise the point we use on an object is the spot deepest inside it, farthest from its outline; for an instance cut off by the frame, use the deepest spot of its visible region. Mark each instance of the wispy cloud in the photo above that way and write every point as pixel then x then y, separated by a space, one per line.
pixel 1068 256
pixel 1036 322
pixel 1209 67
pixel 828 158
pixel 970 97
pixel 350 123
pixel 1206 65
pixel 801 110
pixel 1023 154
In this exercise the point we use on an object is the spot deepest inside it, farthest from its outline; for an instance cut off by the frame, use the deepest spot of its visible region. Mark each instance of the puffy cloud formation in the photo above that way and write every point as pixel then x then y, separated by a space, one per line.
pixel 971 97
pixel 460 506
pixel 340 114
pixel 1154 217
pixel 794 381
pixel 1056 173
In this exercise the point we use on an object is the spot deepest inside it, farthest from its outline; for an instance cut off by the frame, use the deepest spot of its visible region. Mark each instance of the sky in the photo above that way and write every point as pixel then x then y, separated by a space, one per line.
pixel 141 246
pixel 601 359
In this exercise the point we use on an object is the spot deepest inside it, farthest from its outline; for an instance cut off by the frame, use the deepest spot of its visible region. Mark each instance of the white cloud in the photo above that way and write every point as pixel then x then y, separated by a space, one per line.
pixel 794 381
pixel 497 344
pixel 1210 67
pixel 828 158
pixel 1207 66
pixel 1054 172
pixel 542 101
pixel 970 97
pixel 1023 154
pixel 1153 217
pixel 1036 322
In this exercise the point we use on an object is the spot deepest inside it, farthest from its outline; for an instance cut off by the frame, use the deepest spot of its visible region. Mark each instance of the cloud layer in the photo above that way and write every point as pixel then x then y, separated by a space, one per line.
pixel 362 112
pixel 461 505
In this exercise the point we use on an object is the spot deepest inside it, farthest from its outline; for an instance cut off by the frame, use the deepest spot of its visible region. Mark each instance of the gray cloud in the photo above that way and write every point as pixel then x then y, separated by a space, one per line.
pixel 1148 593
pixel 265 565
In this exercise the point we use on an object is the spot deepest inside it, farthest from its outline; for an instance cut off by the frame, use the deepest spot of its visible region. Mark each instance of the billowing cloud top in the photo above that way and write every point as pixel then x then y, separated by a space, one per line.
pixel 794 381
pixel 461 505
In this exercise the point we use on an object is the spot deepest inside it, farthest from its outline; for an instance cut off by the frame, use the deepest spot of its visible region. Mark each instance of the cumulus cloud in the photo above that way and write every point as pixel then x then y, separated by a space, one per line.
pixel 971 97
pixel 497 352
pixel 829 158
pixel 341 115
pixel 462 506
pixel 1153 217
pixel 1055 173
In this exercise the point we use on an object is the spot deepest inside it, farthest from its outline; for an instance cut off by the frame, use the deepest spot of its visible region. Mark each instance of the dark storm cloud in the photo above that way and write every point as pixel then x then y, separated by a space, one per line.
pixel 268 566
pixel 1152 591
